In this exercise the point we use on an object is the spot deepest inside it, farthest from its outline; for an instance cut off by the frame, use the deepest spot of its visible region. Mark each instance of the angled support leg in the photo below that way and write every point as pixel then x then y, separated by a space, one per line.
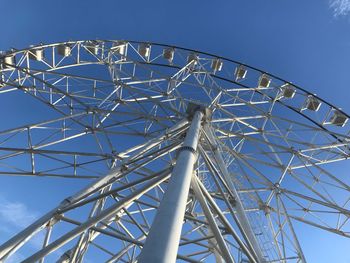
pixel 248 232
pixel 211 220
pixel 13 244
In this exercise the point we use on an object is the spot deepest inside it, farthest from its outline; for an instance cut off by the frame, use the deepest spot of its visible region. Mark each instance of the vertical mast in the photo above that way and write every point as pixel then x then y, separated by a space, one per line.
pixel 162 243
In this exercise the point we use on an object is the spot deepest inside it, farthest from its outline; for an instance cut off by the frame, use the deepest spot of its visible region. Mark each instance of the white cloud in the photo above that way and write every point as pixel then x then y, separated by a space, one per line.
pixel 340 7
pixel 13 217
pixel 16 214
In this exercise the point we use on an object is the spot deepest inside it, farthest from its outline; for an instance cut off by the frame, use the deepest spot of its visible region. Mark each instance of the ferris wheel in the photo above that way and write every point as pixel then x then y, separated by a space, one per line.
pixel 182 155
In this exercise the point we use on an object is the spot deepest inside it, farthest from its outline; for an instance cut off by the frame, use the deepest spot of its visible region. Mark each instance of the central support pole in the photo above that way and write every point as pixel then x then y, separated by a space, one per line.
pixel 162 242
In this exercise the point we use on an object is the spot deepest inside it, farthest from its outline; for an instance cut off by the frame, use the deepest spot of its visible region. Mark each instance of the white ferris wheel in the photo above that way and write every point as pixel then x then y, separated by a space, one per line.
pixel 182 155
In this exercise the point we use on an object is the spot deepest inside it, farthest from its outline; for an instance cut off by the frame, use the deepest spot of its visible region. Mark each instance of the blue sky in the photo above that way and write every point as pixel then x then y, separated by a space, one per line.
pixel 306 42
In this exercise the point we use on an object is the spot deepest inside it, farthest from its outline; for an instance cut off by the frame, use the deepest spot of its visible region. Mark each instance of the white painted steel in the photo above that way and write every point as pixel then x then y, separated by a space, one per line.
pixel 269 161
pixel 239 206
pixel 163 238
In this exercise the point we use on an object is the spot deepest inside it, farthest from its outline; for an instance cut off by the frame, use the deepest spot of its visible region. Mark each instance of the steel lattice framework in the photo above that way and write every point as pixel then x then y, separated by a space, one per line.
pixel 189 155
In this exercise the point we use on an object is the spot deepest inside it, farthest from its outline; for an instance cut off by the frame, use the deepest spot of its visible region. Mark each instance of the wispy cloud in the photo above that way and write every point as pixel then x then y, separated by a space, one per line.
pixel 340 7
pixel 14 216
pixel 15 213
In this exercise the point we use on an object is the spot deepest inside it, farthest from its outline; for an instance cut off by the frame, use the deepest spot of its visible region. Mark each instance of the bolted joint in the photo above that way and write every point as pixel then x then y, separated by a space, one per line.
pixel 186 148
pixel 277 188
pixel 66 256
pixel 67 201
pixel 192 108
pixel 124 168
pixel 56 218
pixel 232 200
pixel 266 208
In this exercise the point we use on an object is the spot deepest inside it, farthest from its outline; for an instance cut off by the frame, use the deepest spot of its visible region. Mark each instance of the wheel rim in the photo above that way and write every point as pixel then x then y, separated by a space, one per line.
pixel 280 143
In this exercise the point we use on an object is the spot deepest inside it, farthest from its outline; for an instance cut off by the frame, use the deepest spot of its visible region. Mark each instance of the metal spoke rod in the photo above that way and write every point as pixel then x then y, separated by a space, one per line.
pixel 226 223
pixel 239 205
pixel 18 240
pixel 112 210
pixel 211 220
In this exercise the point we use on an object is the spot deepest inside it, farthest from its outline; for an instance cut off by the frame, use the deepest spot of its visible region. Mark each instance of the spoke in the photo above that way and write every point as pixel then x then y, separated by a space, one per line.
pixel 119 113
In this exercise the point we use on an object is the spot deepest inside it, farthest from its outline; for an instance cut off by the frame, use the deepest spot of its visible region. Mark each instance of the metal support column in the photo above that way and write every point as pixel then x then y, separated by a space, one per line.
pixel 162 243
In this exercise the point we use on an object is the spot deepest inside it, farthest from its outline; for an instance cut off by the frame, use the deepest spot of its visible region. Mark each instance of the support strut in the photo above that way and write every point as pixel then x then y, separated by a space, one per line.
pixel 244 221
pixel 13 244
